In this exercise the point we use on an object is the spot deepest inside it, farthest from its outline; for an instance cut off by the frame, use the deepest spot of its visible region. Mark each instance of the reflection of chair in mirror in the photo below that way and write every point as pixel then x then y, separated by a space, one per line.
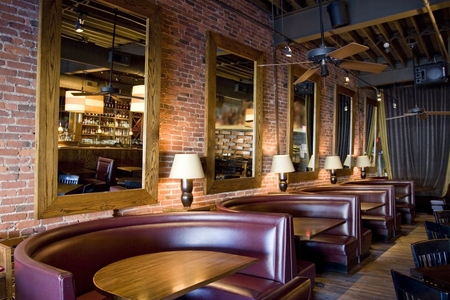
pixel 130 184
pixel 104 174
pixel 88 188
pixel 442 217
pixel 407 287
pixel 431 253
pixel 230 167
pixel 249 170
pixel 68 179
pixel 436 230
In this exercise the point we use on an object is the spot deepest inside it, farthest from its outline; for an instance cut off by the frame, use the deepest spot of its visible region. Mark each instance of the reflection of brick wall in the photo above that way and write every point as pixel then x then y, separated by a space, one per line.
pixel 235 142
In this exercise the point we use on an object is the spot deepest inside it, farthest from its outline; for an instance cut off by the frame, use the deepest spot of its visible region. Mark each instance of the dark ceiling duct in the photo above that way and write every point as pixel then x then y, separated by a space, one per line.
pixel 234 89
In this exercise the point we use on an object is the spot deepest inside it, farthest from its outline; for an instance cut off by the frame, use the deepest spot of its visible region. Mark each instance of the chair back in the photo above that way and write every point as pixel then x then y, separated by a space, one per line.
pixel 431 253
pixel 105 168
pixel 88 188
pixel 442 217
pixel 130 184
pixel 436 230
pixel 407 288
pixel 68 179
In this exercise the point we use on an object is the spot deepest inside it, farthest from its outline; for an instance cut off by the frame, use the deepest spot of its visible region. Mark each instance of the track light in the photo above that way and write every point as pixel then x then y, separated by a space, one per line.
pixel 79 25
pixel 324 69
pixel 378 95
pixel 394 105
pixel 288 49
pixel 346 78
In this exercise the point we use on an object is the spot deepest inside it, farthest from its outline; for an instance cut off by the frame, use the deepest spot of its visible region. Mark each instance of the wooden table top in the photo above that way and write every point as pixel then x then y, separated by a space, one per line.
pixel 166 275
pixel 65 188
pixel 439 275
pixel 77 171
pixel 307 228
pixel 129 169
pixel 366 206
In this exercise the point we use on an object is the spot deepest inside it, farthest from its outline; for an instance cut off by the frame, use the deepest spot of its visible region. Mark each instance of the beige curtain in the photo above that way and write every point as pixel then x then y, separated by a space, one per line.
pixel 383 137
pixel 447 178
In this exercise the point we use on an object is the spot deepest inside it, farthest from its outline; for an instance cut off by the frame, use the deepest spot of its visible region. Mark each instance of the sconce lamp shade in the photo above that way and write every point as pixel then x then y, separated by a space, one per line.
pixel 347 160
pixel 138 105
pixel 186 166
pixel 332 163
pixel 282 164
pixel 363 161
pixel 74 103
pixel 311 162
pixel 94 104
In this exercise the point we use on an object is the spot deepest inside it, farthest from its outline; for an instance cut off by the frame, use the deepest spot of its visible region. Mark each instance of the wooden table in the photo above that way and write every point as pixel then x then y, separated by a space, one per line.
pixel 439 275
pixel 134 171
pixel 166 275
pixel 366 206
pixel 307 228
pixel 65 188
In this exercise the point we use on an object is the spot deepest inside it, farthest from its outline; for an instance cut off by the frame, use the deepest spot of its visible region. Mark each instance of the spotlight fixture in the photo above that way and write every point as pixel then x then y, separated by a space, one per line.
pixel 60 129
pixel 288 49
pixel 386 46
pixel 323 69
pixel 79 25
pixel 346 78
pixel 394 104
pixel 378 95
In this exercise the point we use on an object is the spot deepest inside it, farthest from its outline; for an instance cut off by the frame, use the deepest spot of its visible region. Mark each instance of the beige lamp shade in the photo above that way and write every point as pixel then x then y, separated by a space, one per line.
pixel 311 162
pixel 282 164
pixel 94 104
pixel 186 166
pixel 363 161
pixel 74 103
pixel 332 163
pixel 347 160
pixel 138 105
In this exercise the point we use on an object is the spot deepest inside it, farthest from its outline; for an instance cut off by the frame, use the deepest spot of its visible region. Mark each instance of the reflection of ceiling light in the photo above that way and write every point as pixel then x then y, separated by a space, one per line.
pixel 60 129
pixel 79 25
pixel 138 105
pixel 99 130
pixel 346 78
pixel 345 107
pixel 288 50
pixel 94 104
pixel 74 103
pixel 394 104
pixel 378 95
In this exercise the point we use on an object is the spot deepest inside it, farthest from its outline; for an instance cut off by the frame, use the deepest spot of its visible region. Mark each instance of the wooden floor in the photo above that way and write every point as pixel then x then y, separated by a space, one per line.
pixel 371 280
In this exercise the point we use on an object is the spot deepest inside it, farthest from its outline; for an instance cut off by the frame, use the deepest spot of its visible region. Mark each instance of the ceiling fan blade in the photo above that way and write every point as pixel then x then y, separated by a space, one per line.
pixel 283 64
pixel 402 116
pixel 443 113
pixel 88 94
pixel 306 75
pixel 362 66
pixel 347 50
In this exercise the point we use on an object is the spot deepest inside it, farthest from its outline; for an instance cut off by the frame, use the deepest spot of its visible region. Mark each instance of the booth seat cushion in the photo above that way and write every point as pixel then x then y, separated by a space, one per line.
pixel 331 245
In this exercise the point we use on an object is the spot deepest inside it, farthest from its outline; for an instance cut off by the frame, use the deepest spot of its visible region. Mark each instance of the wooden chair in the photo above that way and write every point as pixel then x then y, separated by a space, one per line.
pixel 69 179
pixel 442 217
pixel 436 230
pixel 407 288
pixel 431 253
pixel 104 174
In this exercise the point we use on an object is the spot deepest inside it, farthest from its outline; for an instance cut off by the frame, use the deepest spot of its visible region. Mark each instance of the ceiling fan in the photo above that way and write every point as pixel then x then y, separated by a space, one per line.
pixel 109 90
pixel 420 113
pixel 323 55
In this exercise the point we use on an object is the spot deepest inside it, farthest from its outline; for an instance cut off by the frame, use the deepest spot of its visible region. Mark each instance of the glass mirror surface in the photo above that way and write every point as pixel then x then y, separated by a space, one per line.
pixel 370 132
pixel 302 125
pixel 343 125
pixel 234 115
pixel 54 125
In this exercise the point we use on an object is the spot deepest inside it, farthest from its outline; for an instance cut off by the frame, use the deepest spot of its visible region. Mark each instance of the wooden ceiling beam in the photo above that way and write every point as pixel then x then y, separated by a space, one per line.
pixel 396 51
pixel 442 46
pixel 373 40
pixel 420 39
pixel 357 39
pixel 404 39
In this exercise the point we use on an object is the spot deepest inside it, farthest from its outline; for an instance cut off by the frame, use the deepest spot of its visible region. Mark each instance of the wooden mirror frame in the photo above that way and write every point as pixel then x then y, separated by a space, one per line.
pixel 374 103
pixel 212 186
pixel 339 89
pixel 46 202
pixel 294 70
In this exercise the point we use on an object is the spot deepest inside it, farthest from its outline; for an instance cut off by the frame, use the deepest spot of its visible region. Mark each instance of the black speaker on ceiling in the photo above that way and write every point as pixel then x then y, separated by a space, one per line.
pixel 431 73
pixel 338 13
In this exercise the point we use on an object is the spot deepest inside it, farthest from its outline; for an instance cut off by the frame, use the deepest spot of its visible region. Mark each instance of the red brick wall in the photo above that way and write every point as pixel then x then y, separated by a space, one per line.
pixel 185 23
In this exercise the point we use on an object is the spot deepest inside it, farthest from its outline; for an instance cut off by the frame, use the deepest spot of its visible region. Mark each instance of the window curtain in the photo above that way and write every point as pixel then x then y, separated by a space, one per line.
pixel 309 107
pixel 419 149
pixel 384 139
pixel 371 121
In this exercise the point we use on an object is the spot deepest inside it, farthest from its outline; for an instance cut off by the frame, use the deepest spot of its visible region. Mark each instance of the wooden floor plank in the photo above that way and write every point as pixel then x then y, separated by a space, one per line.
pixel 371 279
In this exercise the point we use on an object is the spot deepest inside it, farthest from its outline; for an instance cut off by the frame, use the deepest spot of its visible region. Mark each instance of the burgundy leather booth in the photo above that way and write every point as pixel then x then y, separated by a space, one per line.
pixel 60 263
pixel 337 249
pixel 405 205
pixel 381 221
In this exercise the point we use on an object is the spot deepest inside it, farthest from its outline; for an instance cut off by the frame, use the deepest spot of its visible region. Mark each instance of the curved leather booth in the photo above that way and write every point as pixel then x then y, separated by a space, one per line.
pixel 60 263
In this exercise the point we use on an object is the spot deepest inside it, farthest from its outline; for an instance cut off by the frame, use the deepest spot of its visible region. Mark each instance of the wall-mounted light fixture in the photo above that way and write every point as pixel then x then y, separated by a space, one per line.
pixel 282 164
pixel 333 163
pixel 362 162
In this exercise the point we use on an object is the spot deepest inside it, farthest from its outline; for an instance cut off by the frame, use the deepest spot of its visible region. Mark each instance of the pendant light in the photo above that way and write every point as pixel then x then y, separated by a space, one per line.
pixel 74 103
pixel 138 105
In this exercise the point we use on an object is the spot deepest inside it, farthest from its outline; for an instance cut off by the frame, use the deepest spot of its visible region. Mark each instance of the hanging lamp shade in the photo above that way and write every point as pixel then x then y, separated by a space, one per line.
pixel 74 103
pixel 94 104
pixel 138 105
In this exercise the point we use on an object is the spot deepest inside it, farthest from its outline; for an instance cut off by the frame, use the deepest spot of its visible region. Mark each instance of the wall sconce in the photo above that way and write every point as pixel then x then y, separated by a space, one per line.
pixel 362 162
pixel 186 167
pixel 347 162
pixel 333 163
pixel 282 164
pixel 138 105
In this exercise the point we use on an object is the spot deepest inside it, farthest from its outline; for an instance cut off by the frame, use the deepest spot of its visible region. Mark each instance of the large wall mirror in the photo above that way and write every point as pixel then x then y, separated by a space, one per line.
pixel 303 126
pixel 343 131
pixel 68 61
pixel 370 133
pixel 233 115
